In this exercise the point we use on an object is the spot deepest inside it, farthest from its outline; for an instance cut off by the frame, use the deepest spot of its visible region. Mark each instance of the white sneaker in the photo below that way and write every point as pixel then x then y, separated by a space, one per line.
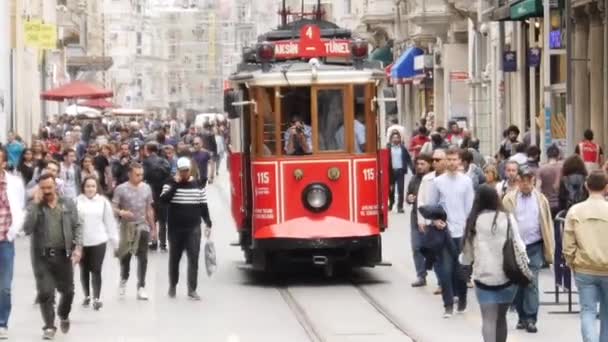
pixel 141 294
pixel 3 334
pixel 122 288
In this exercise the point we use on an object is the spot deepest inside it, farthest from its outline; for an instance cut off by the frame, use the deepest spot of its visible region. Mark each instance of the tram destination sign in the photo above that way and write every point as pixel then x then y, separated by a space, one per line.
pixel 311 45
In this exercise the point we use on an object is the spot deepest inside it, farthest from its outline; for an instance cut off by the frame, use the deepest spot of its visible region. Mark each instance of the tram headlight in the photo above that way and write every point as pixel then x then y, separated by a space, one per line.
pixel 316 197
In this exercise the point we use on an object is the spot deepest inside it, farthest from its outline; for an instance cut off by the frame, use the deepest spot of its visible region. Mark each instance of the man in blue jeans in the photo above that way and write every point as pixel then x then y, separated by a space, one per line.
pixel 585 247
pixel 12 202
pixel 535 224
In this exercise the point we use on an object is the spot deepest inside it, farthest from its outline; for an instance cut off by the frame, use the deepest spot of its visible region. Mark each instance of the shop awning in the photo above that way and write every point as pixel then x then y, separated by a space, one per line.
pixel 526 9
pixel 76 90
pixel 383 54
pixel 404 66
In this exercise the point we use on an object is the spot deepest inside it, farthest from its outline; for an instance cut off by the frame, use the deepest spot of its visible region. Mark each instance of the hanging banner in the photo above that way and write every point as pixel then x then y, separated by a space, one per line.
pixel 509 61
pixel 534 57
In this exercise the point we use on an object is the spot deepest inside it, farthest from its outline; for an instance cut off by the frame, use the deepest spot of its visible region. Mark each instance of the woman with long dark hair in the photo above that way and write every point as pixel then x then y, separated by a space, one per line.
pixel 99 226
pixel 26 166
pixel 484 238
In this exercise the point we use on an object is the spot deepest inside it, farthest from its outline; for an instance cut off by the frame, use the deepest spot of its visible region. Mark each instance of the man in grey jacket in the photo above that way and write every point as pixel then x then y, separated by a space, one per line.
pixel 56 245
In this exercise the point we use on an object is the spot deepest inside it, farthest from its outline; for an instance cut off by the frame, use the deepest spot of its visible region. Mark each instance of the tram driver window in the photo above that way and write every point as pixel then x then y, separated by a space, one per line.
pixel 297 131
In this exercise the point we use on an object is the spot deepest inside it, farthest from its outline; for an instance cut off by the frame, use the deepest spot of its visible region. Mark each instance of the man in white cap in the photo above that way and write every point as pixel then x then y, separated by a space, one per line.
pixel 186 202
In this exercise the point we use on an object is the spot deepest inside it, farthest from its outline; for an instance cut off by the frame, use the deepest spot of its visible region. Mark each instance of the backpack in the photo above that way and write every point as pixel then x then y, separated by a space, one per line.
pixel 575 187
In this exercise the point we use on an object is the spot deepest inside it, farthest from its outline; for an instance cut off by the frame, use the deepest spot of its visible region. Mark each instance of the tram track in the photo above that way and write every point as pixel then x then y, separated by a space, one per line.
pixel 314 330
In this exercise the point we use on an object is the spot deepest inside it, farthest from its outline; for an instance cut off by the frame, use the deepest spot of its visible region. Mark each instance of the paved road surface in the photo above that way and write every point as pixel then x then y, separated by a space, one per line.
pixel 238 306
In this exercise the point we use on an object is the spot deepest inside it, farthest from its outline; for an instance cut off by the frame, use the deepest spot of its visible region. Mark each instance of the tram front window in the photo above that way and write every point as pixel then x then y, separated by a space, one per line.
pixel 330 106
pixel 296 118
pixel 298 138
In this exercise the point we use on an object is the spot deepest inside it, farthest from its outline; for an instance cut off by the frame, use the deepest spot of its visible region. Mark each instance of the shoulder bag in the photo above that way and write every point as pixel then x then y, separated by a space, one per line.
pixel 515 263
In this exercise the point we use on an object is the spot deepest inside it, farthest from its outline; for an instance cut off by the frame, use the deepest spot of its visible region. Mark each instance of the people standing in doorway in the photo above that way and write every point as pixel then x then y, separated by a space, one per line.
pixel 186 203
pixel 399 163
pixel 484 238
pixel 98 227
pixel 56 246
pixel 585 247
pixel 453 191
pixel 591 153
pixel 12 203
pixel 423 166
pixel 533 215
pixel 132 203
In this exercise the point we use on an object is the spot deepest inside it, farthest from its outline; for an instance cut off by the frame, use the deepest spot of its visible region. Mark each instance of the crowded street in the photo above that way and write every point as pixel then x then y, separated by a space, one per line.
pixel 372 305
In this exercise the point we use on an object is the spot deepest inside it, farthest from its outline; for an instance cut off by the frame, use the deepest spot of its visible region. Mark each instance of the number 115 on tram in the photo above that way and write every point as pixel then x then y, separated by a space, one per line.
pixel 308 166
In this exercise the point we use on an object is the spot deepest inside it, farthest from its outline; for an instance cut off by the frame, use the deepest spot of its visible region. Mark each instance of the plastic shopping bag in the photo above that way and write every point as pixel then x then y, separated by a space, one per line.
pixel 210 257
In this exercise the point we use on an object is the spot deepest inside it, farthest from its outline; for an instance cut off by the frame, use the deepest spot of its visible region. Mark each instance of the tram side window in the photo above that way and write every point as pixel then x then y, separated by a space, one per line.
pixel 296 121
pixel 360 132
pixel 330 106
pixel 266 105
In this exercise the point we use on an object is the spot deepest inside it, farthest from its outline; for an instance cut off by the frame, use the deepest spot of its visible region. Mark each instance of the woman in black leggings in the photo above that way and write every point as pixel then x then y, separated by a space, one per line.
pixel 99 227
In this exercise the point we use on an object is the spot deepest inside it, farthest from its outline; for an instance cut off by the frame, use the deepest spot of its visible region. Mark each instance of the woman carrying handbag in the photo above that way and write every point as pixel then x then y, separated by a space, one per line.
pixel 489 231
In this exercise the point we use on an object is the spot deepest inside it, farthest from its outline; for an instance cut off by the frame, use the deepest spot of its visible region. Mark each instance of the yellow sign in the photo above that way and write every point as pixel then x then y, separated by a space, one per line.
pixel 31 29
pixel 39 35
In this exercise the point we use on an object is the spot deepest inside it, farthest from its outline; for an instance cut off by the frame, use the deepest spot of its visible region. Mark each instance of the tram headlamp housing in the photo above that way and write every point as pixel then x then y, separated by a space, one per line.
pixel 316 197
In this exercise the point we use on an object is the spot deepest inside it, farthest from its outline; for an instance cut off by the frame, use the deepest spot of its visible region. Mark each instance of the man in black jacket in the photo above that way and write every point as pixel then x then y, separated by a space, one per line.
pixel 423 166
pixel 157 171
pixel 187 204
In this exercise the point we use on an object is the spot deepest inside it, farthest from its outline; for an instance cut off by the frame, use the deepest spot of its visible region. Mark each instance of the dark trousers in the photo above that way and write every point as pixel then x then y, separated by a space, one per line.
pixel 162 226
pixel 90 269
pixel 180 241
pixel 398 178
pixel 419 260
pixel 53 272
pixel 451 279
pixel 142 261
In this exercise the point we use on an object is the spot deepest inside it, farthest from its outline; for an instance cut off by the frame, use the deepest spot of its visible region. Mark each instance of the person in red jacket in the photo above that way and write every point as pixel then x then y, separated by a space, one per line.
pixel 418 141
pixel 590 152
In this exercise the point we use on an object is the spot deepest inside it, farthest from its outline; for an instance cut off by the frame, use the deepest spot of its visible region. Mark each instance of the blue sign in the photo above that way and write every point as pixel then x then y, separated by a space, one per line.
pixel 548 138
pixel 555 39
pixel 509 61
pixel 534 57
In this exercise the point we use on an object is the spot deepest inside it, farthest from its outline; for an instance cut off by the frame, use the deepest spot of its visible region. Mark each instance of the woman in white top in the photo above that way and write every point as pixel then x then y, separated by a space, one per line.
pixel 98 227
pixel 485 236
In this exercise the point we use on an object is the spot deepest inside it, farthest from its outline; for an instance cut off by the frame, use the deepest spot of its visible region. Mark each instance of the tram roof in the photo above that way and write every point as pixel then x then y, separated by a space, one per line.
pixel 300 73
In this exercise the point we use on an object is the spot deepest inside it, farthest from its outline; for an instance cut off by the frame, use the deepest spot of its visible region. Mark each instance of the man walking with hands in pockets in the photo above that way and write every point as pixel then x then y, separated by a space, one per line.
pixel 187 205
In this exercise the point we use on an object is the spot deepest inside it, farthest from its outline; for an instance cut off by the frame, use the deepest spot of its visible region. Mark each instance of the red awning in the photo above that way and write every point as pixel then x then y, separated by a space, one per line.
pixel 98 103
pixel 76 90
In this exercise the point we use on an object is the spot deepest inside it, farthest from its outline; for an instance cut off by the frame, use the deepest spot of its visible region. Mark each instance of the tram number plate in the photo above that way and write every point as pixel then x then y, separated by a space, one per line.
pixel 369 174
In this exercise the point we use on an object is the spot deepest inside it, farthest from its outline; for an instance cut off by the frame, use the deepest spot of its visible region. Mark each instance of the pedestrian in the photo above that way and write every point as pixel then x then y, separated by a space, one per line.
pixel 520 155
pixel 98 227
pixel 26 167
pixel 491 174
pixel 56 246
pixel 399 163
pixel 187 205
pixel 533 153
pixel 395 127
pixel 484 238
pixel 418 141
pixel 572 182
pixel 12 203
pixel 439 167
pixel 14 150
pixel 211 146
pixel 585 248
pixel 455 136
pixel 70 174
pixel 591 153
pixel 549 178
pixel 88 168
pixel 132 203
pixel 423 166
pixel 201 157
pixel 511 181
pixel 120 165
pixel 471 169
pixel 436 142
pixel 157 171
pixel 533 215
pixel 511 135
pixel 454 192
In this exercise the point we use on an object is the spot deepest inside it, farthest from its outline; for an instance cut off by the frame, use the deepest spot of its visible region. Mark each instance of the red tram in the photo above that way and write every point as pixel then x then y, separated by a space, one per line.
pixel 307 149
